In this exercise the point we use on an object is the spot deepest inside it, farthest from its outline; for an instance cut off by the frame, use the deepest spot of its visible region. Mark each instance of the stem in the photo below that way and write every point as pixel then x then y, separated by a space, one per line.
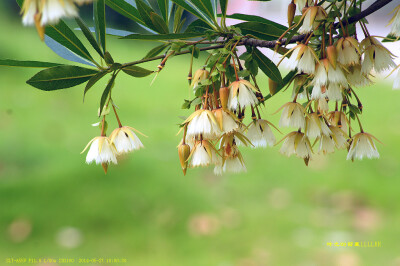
pixel 103 133
pixel 359 123
pixel 116 116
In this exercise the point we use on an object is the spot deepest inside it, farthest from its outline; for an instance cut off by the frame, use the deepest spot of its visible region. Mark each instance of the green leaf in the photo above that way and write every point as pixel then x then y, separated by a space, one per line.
pixel 164 8
pixel 194 11
pixel 89 36
pixel 33 64
pixel 224 5
pixel 253 18
pixel 267 66
pixel 126 10
pixel 63 35
pixel 159 23
pixel 198 26
pixel 106 92
pixel 61 77
pixel 99 10
pixel 260 30
pixel 145 13
pixel 156 51
pixel 93 80
pixel 137 71
pixel 287 79
pixel 204 6
pixel 169 36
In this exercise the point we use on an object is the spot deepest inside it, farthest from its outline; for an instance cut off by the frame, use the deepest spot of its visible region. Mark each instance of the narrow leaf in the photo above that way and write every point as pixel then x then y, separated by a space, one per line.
pixel 33 64
pixel 224 6
pixel 137 71
pixel 170 36
pixel 253 18
pixel 260 30
pixel 100 22
pixel 93 80
pixel 156 51
pixel 126 10
pixel 61 77
pixel 89 36
pixel 267 66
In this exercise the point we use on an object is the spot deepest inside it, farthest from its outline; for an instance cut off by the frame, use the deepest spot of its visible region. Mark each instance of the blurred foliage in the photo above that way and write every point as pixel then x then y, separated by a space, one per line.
pixel 145 210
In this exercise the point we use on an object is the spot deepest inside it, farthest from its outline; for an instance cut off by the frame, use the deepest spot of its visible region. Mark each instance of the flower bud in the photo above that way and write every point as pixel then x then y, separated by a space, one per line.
pixel 105 167
pixel 332 55
pixel 223 96
pixel 272 86
pixel 184 152
pixel 291 13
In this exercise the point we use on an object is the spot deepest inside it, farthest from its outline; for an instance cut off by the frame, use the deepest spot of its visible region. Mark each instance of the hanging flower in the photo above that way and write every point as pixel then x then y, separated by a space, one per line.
pixel 260 133
pixel 339 137
pixel 323 106
pixel 233 161
pixel 296 143
pixel 326 144
pixel 101 151
pixel 302 3
pixel 303 58
pixel 395 21
pixel 339 119
pixel 203 154
pixel 376 56
pixel 311 17
pixel 348 51
pixel 362 145
pixel 334 92
pixel 356 78
pixel 315 126
pixel 227 121
pixel 292 115
pixel 199 76
pixel 241 94
pixel 203 122
pixel 125 139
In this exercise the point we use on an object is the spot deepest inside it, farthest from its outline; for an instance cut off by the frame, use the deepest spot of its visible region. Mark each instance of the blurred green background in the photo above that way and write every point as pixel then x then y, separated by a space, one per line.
pixel 53 205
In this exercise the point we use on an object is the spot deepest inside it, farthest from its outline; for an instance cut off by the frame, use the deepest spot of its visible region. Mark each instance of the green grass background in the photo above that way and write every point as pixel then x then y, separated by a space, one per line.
pixel 278 213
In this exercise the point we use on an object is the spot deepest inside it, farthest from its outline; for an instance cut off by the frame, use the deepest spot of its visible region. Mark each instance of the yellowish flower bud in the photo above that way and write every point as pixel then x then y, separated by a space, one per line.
pixel 224 96
pixel 332 55
pixel 272 86
pixel 184 152
pixel 291 13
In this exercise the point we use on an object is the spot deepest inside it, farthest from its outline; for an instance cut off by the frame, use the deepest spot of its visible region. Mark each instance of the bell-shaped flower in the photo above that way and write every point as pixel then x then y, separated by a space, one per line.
pixel 376 56
pixel 362 145
pixel 296 143
pixel 203 122
pixel 348 51
pixel 311 17
pixel 292 115
pixel 241 94
pixel 260 134
pixel 101 151
pixel 125 139
pixel 303 58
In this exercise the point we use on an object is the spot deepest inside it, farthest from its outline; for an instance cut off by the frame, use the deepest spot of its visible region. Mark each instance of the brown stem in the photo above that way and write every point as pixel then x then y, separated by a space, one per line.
pixel 116 116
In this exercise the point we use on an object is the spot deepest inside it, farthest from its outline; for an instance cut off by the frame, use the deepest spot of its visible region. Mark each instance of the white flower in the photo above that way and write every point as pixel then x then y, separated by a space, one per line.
pixel 302 3
pixel 226 120
pixel 203 122
pixel 395 21
pixel 356 78
pixel 339 119
pixel 203 154
pixel 303 58
pixel 311 16
pixel 339 137
pixel 323 106
pixel 318 92
pixel 199 76
pixel 233 160
pixel 376 56
pixel 260 133
pixel 102 150
pixel 125 140
pixel 334 92
pixel 396 83
pixel 362 145
pixel 348 51
pixel 241 94
pixel 325 73
pixel 49 11
pixel 326 144
pixel 296 143
pixel 315 127
pixel 292 115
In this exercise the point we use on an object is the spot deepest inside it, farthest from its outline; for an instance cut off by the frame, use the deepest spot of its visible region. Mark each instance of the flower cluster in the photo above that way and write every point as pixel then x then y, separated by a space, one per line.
pixel 104 150
pixel 213 133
